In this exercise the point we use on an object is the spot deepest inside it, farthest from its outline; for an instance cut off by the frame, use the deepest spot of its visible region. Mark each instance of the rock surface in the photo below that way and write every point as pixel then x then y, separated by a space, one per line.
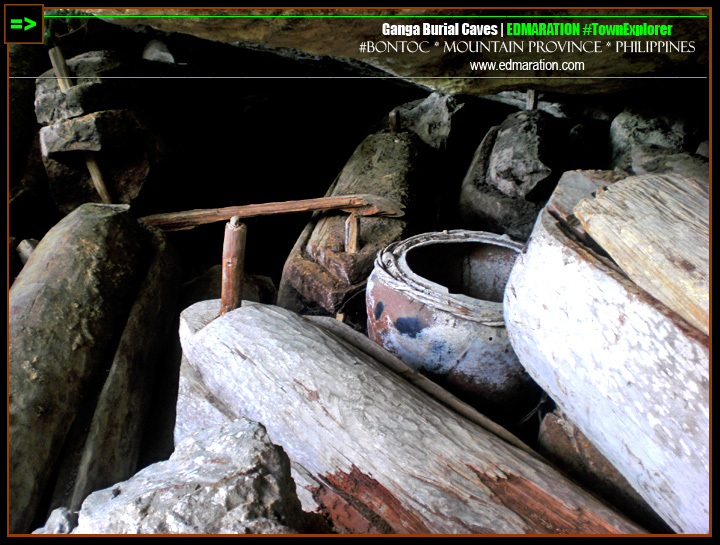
pixel 88 93
pixel 430 119
pixel 124 148
pixel 634 127
pixel 652 160
pixel 226 480
pixel 521 158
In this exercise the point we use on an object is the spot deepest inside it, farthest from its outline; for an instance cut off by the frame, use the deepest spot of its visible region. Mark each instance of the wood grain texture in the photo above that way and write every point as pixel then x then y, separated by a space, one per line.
pixel 402 457
pixel 363 205
pixel 657 229
pixel 629 372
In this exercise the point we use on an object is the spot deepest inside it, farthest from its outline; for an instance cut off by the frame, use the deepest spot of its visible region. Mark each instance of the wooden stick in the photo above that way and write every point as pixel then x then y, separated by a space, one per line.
pixel 61 69
pixel 363 205
pixel 352 234
pixel 96 176
pixel 233 264
pixel 62 72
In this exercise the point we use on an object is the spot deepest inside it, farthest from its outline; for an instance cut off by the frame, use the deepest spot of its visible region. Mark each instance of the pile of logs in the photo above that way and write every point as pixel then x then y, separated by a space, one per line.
pixel 629 366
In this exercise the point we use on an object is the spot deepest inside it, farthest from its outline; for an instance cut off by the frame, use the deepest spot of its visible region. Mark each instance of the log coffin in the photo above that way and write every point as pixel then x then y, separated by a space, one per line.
pixel 80 361
pixel 63 309
pixel 321 271
pixel 664 241
pixel 412 464
pixel 632 374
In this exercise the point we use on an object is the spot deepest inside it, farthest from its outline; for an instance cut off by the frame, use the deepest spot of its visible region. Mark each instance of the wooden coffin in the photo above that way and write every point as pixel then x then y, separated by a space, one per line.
pixel 630 372
pixel 320 271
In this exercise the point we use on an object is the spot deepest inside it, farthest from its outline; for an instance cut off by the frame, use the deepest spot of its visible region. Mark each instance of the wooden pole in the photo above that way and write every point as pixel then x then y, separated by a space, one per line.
pixel 233 264
pixel 352 234
pixel 65 83
pixel 96 176
pixel 363 205
pixel 61 69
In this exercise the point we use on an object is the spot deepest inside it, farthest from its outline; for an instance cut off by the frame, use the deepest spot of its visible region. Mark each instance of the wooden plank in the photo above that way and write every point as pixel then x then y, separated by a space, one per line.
pixel 364 205
pixel 405 460
pixel 352 234
pixel 630 373
pixel 657 229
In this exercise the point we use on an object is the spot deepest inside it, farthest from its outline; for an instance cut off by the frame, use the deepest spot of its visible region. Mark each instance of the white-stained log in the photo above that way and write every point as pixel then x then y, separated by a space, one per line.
pixel 399 456
pixel 629 372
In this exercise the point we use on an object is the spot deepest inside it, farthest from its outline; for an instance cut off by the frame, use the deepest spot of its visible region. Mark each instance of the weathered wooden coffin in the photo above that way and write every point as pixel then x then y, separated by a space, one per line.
pixel 80 359
pixel 384 445
pixel 319 271
pixel 630 372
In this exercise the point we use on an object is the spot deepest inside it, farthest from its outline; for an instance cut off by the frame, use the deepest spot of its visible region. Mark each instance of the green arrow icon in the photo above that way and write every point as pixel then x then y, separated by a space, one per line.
pixel 17 24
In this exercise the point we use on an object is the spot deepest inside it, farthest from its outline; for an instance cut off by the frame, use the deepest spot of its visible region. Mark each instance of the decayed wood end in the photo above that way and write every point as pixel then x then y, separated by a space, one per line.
pixel 383 164
pixel 630 373
pixel 573 186
pixel 657 229
pixel 314 283
pixel 405 461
